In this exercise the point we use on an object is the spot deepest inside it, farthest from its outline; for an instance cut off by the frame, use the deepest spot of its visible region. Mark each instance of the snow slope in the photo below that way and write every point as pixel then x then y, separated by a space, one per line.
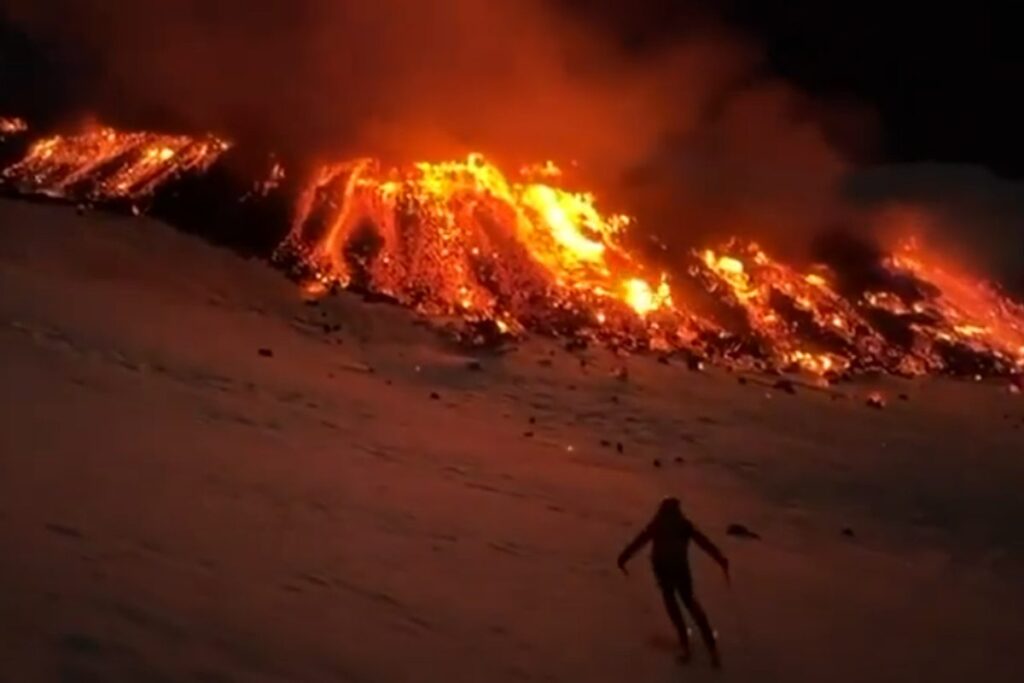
pixel 175 506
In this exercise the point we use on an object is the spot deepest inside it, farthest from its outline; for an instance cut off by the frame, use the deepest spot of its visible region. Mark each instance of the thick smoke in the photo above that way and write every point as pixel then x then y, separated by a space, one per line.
pixel 689 134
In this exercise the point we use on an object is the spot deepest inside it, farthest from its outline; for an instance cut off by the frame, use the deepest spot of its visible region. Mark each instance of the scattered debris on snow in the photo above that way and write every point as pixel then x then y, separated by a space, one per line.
pixel 741 531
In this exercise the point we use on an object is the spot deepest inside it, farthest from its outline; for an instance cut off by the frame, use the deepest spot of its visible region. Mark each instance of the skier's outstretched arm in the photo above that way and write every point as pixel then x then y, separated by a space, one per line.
pixel 705 544
pixel 642 539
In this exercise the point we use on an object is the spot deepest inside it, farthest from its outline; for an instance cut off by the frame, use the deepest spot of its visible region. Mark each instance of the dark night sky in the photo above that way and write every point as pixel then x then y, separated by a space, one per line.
pixel 944 84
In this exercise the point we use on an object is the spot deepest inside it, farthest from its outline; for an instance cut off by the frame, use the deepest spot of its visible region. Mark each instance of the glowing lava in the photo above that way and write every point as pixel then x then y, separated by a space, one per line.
pixel 797 317
pixel 11 126
pixel 955 312
pixel 521 253
pixel 101 163
pixel 460 237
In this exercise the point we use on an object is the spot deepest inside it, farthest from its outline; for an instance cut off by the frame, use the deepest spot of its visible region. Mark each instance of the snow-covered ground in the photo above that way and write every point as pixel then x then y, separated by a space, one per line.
pixel 175 506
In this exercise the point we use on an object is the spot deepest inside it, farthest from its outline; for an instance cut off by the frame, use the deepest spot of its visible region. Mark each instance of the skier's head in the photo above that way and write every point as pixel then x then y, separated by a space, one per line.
pixel 669 509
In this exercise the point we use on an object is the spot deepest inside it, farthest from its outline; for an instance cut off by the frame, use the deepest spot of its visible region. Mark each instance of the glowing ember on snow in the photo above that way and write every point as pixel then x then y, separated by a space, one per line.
pixel 104 164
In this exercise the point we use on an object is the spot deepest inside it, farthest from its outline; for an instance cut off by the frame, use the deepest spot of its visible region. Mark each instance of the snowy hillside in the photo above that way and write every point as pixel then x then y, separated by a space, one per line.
pixel 204 478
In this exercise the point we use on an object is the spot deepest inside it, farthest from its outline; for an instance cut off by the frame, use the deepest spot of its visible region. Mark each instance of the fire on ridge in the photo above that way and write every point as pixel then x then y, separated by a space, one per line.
pixel 101 163
pixel 520 252
pixel 11 126
pixel 461 238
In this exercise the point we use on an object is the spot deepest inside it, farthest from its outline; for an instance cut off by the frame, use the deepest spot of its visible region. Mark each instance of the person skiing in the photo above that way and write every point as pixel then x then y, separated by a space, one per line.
pixel 669 534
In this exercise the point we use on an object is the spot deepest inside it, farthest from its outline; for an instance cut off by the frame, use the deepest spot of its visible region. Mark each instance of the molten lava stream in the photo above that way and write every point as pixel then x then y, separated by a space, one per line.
pixel 957 317
pixel 10 126
pixel 103 164
pixel 799 319
pixel 460 238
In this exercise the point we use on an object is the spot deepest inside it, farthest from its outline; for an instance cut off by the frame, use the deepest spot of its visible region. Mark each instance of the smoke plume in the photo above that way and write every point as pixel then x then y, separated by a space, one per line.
pixel 690 134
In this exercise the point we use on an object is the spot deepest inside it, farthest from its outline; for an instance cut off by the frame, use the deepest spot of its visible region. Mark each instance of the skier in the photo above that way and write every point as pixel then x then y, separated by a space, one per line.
pixel 669 534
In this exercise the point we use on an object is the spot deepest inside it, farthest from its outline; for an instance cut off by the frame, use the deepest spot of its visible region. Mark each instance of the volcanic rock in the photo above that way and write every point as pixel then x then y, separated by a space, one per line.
pixel 741 531
pixel 785 385
pixel 576 344
pixel 374 297
pixel 876 401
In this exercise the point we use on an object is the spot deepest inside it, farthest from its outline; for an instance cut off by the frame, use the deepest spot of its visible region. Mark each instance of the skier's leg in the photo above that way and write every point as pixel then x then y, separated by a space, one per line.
pixel 706 632
pixel 668 595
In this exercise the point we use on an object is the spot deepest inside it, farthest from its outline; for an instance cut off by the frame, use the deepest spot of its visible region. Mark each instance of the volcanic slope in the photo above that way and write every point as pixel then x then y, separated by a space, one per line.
pixel 204 478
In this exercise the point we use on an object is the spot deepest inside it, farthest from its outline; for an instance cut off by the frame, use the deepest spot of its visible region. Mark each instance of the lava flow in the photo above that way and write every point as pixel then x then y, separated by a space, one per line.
pixel 797 319
pixel 954 317
pixel 11 126
pixel 516 253
pixel 460 238
pixel 103 164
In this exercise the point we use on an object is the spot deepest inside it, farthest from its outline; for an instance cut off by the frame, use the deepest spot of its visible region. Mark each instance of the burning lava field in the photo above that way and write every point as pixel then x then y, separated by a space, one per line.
pixel 417 456
pixel 506 254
